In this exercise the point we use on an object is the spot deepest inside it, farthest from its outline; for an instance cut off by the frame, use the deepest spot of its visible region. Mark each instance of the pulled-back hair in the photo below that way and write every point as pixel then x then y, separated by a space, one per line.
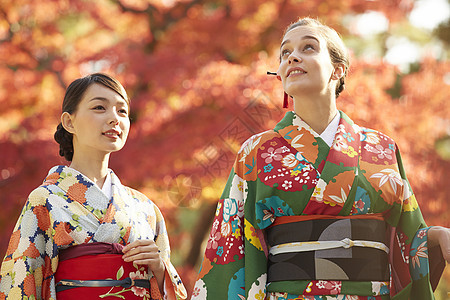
pixel 336 48
pixel 73 97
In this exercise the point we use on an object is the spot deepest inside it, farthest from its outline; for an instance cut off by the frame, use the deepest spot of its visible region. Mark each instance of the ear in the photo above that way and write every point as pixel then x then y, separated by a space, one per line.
pixel 66 122
pixel 338 72
pixel 278 74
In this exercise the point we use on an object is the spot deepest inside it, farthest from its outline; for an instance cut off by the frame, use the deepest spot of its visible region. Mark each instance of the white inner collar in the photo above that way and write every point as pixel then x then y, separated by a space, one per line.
pixel 328 134
pixel 106 188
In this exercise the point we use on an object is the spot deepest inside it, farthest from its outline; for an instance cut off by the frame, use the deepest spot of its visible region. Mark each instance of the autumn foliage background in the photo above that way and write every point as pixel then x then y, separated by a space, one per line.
pixel 196 73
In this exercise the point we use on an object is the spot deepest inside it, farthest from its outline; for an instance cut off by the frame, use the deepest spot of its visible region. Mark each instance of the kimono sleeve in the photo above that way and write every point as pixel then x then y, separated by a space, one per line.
pixel 173 286
pixel 411 277
pixel 235 265
pixel 27 271
pixel 221 275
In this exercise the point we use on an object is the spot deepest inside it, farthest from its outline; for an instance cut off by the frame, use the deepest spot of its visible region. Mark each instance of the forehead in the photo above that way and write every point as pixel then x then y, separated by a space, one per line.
pixel 100 91
pixel 303 32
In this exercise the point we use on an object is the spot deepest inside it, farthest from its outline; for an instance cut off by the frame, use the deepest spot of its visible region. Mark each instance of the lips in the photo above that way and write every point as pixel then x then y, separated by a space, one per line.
pixel 112 133
pixel 294 71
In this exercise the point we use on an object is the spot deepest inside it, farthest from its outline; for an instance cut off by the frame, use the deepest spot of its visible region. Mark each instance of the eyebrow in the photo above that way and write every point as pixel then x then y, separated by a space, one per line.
pixel 99 98
pixel 123 102
pixel 306 37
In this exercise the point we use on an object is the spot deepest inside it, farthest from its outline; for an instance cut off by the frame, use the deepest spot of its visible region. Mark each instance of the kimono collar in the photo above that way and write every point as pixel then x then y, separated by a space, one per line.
pixel 328 134
pixel 292 123
pixel 79 188
pixel 107 188
pixel 339 162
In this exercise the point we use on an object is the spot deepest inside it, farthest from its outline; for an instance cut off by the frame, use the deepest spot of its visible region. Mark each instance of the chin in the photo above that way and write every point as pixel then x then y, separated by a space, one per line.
pixel 114 148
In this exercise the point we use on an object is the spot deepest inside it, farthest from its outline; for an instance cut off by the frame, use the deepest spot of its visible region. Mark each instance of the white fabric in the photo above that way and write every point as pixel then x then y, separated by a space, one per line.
pixel 322 245
pixel 328 134
pixel 107 185
pixel 106 188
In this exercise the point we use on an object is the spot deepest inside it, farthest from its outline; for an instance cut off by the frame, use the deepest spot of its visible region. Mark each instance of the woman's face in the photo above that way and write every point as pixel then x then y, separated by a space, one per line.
pixel 305 67
pixel 100 123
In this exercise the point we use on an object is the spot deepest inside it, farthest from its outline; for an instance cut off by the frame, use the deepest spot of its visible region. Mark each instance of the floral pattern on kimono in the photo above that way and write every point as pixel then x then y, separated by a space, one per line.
pixel 291 171
pixel 68 209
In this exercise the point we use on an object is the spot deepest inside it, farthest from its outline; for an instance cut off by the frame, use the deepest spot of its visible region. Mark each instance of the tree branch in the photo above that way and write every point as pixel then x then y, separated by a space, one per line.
pixel 202 228
pixel 160 21
pixel 10 32
pixel 148 10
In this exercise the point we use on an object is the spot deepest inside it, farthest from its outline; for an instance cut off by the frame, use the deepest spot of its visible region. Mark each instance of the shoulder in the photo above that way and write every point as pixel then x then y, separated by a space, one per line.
pixel 374 137
pixel 139 196
pixel 377 148
pixel 145 203
pixel 367 135
pixel 256 140
pixel 39 196
pixel 136 194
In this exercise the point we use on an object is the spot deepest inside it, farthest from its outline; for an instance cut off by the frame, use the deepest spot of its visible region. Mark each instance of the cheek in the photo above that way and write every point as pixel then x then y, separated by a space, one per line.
pixel 281 72
pixel 126 126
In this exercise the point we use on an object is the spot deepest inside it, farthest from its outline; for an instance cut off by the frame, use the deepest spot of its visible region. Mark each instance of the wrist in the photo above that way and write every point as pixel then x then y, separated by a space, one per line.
pixel 434 234
pixel 159 273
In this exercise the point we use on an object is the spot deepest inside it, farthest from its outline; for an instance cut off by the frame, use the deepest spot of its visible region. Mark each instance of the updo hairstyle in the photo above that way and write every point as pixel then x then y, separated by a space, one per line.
pixel 336 48
pixel 74 95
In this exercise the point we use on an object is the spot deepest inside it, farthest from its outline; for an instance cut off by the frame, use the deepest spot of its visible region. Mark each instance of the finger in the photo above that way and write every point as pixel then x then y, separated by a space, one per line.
pixel 138 244
pixel 146 261
pixel 154 264
pixel 141 249
pixel 144 255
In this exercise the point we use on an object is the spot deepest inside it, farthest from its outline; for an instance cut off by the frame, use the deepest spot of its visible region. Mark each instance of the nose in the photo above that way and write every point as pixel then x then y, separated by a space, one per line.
pixel 114 118
pixel 294 58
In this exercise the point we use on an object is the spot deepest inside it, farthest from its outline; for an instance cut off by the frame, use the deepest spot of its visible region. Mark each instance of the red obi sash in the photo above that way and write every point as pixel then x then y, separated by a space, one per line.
pixel 92 270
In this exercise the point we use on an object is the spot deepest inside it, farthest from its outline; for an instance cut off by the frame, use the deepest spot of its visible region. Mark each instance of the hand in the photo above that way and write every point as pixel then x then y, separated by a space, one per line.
pixel 438 235
pixel 145 252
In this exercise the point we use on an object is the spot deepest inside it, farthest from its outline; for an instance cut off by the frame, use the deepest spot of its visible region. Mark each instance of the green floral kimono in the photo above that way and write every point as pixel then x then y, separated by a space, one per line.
pixel 291 171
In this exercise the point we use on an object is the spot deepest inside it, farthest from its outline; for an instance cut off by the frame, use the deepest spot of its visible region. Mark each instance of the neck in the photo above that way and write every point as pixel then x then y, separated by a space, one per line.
pixel 317 112
pixel 93 168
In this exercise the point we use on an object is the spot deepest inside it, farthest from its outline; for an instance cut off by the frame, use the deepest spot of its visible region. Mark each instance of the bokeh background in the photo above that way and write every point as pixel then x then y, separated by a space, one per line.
pixel 196 73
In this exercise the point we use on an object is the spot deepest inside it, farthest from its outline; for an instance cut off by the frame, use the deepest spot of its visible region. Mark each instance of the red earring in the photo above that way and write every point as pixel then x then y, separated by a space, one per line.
pixel 286 96
pixel 285 100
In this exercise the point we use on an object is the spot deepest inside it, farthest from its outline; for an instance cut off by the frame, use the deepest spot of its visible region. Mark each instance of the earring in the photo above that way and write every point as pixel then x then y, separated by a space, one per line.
pixel 285 100
pixel 286 96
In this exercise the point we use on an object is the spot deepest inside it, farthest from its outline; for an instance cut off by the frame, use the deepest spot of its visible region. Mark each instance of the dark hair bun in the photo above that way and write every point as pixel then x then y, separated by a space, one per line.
pixel 340 86
pixel 64 139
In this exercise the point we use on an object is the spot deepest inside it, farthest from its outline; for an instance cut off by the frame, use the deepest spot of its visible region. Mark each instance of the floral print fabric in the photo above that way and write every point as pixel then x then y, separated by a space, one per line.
pixel 68 209
pixel 291 171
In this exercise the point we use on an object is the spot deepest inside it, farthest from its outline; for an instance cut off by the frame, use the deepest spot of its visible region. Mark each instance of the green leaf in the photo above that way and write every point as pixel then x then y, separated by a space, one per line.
pixel 120 273
pixel 73 223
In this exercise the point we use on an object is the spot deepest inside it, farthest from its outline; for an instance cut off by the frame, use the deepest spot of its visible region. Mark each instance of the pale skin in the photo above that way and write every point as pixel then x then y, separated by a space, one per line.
pixel 100 126
pixel 313 86
pixel 310 77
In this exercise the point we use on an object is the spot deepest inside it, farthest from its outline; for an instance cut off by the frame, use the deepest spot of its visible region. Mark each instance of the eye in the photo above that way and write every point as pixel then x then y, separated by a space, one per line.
pixel 285 52
pixel 309 47
pixel 123 111
pixel 98 107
